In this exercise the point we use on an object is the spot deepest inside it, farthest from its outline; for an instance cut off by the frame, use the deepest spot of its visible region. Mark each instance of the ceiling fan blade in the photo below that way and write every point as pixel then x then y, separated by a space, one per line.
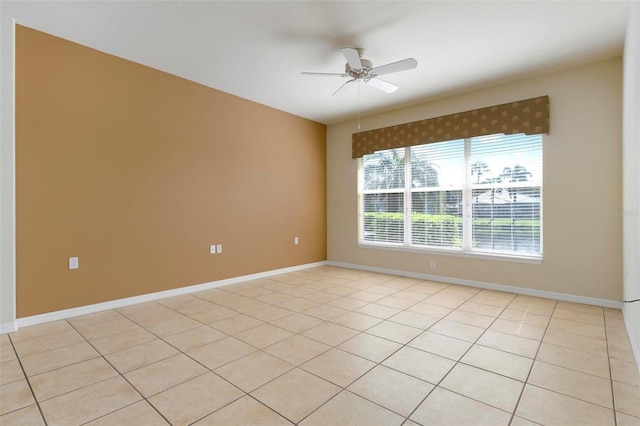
pixel 381 84
pixel 345 87
pixel 324 74
pixel 405 64
pixel 353 57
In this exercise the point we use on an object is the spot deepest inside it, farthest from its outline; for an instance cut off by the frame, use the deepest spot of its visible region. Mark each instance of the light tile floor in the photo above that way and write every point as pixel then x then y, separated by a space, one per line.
pixel 326 346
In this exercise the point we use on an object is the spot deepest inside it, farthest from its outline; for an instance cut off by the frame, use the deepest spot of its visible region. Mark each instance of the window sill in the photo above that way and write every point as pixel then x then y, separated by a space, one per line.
pixel 532 259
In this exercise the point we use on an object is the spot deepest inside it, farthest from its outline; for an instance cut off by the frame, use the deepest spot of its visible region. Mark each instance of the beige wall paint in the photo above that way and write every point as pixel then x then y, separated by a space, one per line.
pixel 582 182
pixel 137 172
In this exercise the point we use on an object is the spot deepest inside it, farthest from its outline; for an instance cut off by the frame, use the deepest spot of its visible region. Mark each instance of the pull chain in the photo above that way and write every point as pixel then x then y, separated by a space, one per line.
pixel 358 107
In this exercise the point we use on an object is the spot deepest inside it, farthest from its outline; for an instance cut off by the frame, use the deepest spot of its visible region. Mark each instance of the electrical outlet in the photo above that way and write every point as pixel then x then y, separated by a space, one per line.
pixel 433 264
pixel 73 263
pixel 295 241
pixel 219 248
pixel 212 249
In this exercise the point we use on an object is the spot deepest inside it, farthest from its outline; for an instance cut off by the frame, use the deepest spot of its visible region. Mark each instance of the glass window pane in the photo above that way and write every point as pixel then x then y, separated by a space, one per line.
pixel 438 164
pixel 384 169
pixel 506 219
pixel 384 217
pixel 506 159
pixel 436 218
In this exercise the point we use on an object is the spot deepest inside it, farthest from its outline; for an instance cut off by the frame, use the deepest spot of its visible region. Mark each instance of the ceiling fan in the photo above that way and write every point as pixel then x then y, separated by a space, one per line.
pixel 362 69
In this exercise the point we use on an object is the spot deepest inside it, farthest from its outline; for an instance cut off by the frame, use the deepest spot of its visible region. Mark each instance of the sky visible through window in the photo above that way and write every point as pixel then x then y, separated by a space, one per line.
pixel 496 151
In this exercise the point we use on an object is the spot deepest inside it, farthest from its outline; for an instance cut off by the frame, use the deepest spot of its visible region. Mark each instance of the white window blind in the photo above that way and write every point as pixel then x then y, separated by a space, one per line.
pixel 383 197
pixel 437 180
pixel 506 185
pixel 481 194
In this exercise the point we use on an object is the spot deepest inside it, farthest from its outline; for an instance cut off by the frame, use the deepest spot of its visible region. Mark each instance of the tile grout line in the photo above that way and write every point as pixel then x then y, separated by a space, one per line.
pixel 458 361
pixel 359 332
pixel 535 357
pixel 613 394
pixel 33 395
pixel 123 378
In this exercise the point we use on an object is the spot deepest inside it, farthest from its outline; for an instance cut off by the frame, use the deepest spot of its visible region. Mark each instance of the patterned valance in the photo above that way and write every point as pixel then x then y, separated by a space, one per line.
pixel 530 117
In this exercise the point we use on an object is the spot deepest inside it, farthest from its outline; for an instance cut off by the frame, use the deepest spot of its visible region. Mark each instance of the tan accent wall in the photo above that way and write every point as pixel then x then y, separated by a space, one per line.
pixel 137 172
pixel 582 187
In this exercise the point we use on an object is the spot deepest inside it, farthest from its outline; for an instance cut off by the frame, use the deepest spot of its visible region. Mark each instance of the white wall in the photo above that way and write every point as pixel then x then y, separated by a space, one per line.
pixel 582 182
pixel 631 178
pixel 7 171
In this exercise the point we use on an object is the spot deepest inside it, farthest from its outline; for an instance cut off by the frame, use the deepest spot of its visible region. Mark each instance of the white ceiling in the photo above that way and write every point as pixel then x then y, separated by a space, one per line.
pixel 257 49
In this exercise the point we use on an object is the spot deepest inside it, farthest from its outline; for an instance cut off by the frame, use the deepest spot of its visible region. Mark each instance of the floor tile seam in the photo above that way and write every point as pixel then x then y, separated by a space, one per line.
pixel 464 323
pixel 443 318
pixel 27 406
pixel 436 385
pixel 406 417
pixel 580 371
pixel 568 307
pixel 462 309
pixel 626 383
pixel 122 376
pixel 267 406
pixel 570 395
pixel 305 361
pixel 158 361
pixel 376 364
pixel 341 350
pixel 46 350
pixel 577 350
pixel 26 378
pixel 566 346
pixel 207 371
pixel 293 367
pixel 580 323
pixel 11 337
pixel 147 399
pixel 466 363
pixel 87 338
pixel 273 320
pixel 342 389
pixel 71 319
pixel 134 346
pixel 145 327
pixel 84 340
pixel 206 415
pixel 535 358
pixel 14 380
pixel 97 355
pixel 406 325
pixel 573 369
pixel 613 393
pixel 574 398
pixel 94 356
pixel 117 373
pixel 560 312
pixel 477 400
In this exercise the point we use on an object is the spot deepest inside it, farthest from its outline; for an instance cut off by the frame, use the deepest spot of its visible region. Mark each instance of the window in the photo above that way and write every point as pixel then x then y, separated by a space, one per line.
pixel 477 195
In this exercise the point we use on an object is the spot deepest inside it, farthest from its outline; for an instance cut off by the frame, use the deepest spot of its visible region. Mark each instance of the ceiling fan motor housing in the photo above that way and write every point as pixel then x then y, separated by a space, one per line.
pixel 359 73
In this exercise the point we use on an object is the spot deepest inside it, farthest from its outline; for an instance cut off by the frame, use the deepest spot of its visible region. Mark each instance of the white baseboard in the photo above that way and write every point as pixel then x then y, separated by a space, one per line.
pixel 8 327
pixel 119 303
pixel 489 286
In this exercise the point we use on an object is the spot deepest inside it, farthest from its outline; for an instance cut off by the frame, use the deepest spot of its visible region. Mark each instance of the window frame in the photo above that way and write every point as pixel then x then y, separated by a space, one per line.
pixel 466 250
